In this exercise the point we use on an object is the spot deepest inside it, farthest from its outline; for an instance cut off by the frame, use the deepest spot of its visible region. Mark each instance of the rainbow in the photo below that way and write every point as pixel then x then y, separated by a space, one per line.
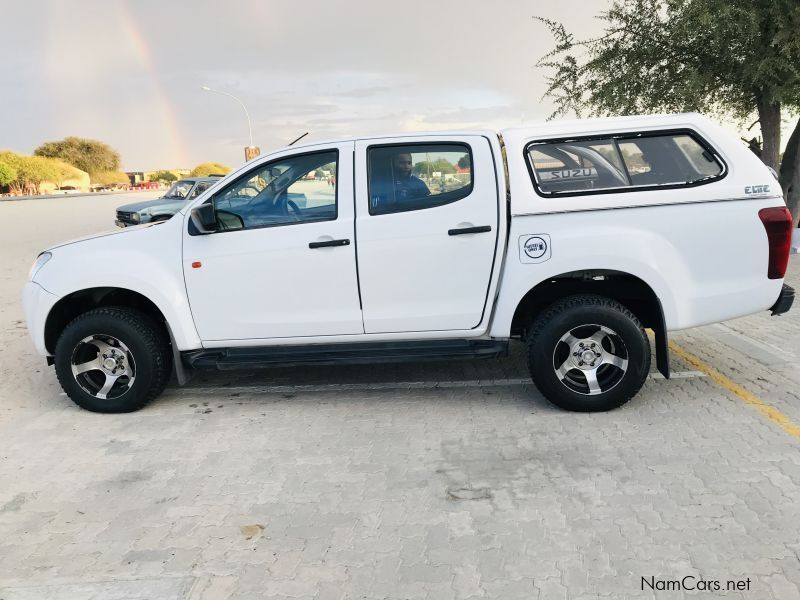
pixel 133 33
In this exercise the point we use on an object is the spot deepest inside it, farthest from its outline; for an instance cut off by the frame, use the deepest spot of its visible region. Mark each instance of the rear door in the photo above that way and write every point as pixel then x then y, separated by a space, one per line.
pixel 427 219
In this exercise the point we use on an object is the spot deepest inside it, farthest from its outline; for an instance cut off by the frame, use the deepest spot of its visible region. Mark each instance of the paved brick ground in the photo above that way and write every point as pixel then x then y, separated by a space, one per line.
pixel 451 480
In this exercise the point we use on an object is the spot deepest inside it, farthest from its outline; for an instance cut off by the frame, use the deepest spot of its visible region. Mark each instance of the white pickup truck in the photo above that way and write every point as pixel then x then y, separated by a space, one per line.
pixel 571 237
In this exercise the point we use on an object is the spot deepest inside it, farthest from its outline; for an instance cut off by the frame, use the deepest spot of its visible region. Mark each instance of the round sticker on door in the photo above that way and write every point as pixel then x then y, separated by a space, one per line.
pixel 535 247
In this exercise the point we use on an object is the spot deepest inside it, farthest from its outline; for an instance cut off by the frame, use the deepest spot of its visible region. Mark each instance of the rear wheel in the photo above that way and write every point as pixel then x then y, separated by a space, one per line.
pixel 112 359
pixel 588 353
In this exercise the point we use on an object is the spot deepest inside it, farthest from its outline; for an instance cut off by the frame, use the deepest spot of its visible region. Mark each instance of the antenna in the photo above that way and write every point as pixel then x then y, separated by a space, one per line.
pixel 298 139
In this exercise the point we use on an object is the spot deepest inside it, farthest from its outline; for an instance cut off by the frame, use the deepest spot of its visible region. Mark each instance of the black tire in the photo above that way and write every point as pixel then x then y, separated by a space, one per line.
pixel 553 361
pixel 146 358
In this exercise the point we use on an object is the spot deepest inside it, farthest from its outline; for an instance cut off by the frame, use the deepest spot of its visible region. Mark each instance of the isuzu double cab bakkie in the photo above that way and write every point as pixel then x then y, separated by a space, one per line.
pixel 572 237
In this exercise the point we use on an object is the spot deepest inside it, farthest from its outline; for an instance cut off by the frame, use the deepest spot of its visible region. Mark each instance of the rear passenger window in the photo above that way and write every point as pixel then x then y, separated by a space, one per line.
pixel 417 176
pixel 621 163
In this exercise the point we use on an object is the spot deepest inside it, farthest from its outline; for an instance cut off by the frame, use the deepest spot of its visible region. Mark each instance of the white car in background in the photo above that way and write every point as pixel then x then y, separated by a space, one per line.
pixel 67 189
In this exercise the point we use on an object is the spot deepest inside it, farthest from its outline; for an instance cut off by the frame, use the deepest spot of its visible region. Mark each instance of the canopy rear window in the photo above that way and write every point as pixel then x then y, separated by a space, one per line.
pixel 622 163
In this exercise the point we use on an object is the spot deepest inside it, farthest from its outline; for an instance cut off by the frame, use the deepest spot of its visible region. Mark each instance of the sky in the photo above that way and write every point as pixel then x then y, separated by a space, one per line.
pixel 130 72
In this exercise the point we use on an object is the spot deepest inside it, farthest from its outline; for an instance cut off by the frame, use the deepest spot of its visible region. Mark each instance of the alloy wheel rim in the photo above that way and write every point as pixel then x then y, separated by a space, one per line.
pixel 103 367
pixel 590 359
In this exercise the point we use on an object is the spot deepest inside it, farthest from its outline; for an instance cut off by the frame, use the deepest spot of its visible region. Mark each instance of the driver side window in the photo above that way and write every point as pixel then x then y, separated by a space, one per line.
pixel 289 190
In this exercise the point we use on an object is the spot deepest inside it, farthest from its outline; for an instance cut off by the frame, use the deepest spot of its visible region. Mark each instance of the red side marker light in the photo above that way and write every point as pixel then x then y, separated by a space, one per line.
pixel 197 264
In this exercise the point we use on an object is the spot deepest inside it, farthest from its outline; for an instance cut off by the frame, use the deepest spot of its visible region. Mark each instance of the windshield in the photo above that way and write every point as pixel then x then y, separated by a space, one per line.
pixel 179 190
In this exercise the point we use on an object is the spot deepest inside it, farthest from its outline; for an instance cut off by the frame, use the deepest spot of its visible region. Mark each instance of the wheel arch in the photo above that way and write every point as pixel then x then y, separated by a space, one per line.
pixel 627 289
pixel 77 303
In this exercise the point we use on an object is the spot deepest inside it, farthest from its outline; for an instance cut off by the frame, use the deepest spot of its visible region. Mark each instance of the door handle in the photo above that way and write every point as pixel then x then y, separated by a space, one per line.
pixel 463 230
pixel 329 243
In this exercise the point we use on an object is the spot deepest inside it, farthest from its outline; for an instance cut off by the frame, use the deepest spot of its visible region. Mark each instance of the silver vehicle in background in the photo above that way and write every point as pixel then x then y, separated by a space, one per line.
pixel 161 209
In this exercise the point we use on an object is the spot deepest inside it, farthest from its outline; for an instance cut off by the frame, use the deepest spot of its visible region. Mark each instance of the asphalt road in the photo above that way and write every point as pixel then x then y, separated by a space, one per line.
pixel 445 480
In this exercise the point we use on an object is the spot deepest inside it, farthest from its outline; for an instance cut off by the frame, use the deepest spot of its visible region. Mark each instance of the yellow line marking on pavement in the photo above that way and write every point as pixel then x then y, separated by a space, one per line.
pixel 772 413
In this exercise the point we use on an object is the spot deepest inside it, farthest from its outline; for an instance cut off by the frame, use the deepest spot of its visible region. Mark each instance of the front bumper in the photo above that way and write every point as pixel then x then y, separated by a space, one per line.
pixel 37 303
pixel 784 302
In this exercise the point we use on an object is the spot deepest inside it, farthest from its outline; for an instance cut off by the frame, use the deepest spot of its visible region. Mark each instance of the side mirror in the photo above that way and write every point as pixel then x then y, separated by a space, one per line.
pixel 204 218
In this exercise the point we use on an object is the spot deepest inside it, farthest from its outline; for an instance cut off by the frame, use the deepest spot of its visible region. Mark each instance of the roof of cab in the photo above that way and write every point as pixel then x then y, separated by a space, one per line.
pixel 544 129
pixel 393 135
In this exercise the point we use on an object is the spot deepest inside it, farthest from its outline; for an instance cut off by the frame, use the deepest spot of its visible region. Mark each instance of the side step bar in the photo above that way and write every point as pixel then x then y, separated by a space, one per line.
pixel 338 354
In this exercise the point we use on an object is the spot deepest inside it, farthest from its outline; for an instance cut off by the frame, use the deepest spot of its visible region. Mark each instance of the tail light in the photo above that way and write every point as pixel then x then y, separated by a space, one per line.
pixel 778 223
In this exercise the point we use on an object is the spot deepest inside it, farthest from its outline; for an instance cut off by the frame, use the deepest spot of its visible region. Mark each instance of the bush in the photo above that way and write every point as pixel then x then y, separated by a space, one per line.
pixel 206 169
pixel 108 178
pixel 65 171
pixel 165 176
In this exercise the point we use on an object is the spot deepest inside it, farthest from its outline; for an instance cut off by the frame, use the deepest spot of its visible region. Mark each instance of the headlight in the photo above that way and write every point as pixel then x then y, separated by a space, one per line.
pixel 135 217
pixel 40 261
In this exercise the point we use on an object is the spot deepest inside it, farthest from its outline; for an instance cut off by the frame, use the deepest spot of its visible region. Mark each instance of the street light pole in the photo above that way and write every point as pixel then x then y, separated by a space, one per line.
pixel 251 151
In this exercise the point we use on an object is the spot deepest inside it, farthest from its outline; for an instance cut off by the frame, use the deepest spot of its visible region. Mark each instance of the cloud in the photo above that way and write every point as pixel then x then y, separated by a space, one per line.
pixel 129 73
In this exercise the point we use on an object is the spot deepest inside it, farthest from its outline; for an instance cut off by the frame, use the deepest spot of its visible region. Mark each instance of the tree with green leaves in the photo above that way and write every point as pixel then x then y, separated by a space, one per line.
pixel 31 171
pixel 8 174
pixel 87 155
pixel 39 169
pixel 733 59
pixel 440 165
pixel 209 168
pixel 464 162
pixel 20 166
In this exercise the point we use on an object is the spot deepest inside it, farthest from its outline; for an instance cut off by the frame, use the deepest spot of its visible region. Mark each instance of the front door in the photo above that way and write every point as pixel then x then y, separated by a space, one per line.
pixel 282 264
pixel 427 228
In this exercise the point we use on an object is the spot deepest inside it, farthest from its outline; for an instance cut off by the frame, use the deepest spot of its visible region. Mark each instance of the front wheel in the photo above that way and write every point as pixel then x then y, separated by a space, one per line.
pixel 112 359
pixel 588 353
